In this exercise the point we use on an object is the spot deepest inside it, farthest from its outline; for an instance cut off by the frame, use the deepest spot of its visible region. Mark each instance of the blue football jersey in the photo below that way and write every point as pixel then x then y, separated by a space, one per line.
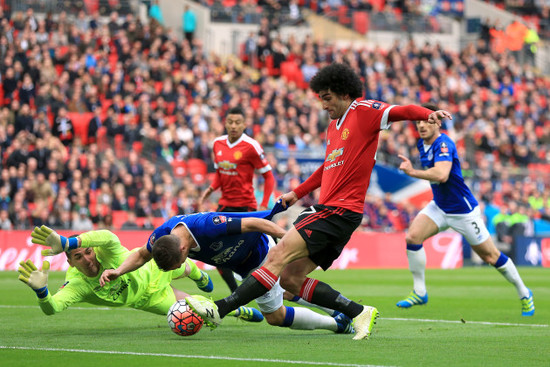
pixel 238 252
pixel 453 196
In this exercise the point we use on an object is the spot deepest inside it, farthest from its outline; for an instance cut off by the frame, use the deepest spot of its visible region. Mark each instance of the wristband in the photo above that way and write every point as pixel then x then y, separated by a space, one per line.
pixel 70 243
pixel 42 292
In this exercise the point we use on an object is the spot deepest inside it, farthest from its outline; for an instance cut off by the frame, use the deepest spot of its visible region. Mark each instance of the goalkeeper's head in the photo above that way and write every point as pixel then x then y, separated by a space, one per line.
pixel 84 259
pixel 169 252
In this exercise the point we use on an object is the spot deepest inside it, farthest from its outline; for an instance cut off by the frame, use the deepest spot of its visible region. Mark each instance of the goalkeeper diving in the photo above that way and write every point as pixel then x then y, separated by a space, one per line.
pixel 89 254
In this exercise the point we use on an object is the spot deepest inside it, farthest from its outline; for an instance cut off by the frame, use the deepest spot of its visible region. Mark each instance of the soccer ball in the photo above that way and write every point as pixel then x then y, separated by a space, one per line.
pixel 182 320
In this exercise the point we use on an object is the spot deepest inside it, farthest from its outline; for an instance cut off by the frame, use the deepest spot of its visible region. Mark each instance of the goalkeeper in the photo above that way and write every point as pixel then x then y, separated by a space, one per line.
pixel 88 255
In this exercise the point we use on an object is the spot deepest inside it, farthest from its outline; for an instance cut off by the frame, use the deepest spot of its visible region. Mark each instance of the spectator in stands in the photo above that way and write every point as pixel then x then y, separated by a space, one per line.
pixel 189 24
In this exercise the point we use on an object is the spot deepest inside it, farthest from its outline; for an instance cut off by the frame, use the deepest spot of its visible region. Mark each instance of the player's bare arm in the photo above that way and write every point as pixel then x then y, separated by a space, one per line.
pixel 134 261
pixel 438 173
pixel 261 225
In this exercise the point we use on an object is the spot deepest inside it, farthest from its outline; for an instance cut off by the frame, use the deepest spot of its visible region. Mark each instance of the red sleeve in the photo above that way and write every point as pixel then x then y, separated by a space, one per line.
pixel 269 184
pixel 409 112
pixel 313 182
pixel 216 183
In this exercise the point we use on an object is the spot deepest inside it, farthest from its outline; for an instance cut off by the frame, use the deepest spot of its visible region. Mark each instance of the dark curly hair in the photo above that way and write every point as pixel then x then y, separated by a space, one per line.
pixel 339 79
pixel 166 251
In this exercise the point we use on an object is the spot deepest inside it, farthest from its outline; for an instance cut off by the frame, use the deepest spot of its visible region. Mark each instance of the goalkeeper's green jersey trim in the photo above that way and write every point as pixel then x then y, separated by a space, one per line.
pixel 146 288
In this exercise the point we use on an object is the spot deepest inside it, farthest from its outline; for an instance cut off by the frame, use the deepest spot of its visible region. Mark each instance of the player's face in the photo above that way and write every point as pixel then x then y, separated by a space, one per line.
pixel 85 261
pixel 427 131
pixel 234 124
pixel 335 104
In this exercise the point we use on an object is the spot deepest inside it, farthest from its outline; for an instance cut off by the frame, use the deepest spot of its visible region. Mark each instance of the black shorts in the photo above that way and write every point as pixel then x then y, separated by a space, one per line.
pixel 235 209
pixel 326 230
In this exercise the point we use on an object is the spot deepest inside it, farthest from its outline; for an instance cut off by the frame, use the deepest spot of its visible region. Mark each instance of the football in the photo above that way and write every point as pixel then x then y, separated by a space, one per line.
pixel 182 320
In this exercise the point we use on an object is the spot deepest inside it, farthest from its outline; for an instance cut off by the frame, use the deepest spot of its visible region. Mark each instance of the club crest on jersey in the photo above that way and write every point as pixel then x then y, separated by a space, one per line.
pixel 376 105
pixel 227 165
pixel 334 154
pixel 219 219
pixel 238 154
pixel 345 134
pixel 152 239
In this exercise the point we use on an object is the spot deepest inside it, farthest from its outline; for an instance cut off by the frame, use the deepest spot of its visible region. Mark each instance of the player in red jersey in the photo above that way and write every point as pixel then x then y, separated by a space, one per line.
pixel 321 231
pixel 236 157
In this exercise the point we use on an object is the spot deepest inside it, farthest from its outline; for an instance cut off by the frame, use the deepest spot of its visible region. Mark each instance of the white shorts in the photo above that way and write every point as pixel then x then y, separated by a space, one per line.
pixel 470 225
pixel 273 299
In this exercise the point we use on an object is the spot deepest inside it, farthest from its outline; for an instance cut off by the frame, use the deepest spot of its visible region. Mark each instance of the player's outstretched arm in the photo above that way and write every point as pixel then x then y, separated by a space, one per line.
pixel 46 236
pixel 438 173
pixel 261 225
pixel 36 279
pixel 135 260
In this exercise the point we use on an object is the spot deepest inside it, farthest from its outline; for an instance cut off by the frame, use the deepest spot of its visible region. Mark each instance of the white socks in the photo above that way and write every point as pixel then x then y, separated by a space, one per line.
pixel 417 266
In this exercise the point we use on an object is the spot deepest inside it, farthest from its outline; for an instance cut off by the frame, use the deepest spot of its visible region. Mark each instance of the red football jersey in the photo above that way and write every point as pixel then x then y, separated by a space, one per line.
pixel 352 142
pixel 235 164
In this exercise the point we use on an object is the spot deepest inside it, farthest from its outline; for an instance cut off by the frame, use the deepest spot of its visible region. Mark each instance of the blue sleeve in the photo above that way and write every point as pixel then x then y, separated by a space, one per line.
pixel 444 150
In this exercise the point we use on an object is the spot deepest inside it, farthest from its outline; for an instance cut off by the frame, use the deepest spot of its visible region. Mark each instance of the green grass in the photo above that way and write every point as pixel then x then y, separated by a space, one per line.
pixel 477 303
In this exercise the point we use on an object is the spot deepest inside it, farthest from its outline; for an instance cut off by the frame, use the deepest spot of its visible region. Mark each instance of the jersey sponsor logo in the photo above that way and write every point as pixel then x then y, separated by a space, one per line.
pixel 345 134
pixel 219 152
pixel 226 165
pixel 334 154
pixel 117 289
pixel 227 254
pixel 216 246
pixel 219 219
pixel 238 155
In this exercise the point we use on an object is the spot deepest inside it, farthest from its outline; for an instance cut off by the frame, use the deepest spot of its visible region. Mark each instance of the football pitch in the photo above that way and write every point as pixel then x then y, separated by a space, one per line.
pixel 473 318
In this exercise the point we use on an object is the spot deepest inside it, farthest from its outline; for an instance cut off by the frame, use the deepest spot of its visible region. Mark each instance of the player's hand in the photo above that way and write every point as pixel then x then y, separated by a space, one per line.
pixel 437 116
pixel 262 208
pixel 34 278
pixel 107 276
pixel 406 165
pixel 288 199
pixel 46 236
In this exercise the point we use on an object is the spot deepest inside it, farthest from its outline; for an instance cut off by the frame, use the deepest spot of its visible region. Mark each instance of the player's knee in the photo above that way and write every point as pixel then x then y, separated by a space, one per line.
pixel 413 238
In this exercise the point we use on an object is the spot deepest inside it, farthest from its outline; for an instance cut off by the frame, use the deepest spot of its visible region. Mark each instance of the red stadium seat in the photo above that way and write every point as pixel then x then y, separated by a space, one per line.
pixel 197 170
pixel 80 124
pixel 361 21
pixel 119 217
pixel 179 167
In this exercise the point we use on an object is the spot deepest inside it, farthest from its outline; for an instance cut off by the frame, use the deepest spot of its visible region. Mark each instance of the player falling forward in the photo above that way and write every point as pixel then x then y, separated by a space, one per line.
pixel 321 231
pixel 453 206
pixel 239 242
pixel 88 254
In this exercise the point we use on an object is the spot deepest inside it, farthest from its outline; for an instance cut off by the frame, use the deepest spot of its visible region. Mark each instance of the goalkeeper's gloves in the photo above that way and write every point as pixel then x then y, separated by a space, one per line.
pixel 34 278
pixel 48 237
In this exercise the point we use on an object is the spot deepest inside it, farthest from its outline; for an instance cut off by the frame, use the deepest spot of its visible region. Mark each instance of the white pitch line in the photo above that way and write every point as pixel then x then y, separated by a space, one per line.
pixel 382 318
pixel 464 322
pixel 193 356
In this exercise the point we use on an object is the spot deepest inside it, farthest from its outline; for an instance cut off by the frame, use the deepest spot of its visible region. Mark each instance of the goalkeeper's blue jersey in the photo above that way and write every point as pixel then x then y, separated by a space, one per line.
pixel 241 253
pixel 452 196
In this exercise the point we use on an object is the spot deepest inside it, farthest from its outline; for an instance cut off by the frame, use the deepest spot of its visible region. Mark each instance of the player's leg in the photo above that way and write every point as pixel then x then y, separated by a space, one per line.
pixel 191 270
pixel 229 278
pixel 476 233
pixel 287 296
pixel 290 247
pixel 421 228
pixel 299 318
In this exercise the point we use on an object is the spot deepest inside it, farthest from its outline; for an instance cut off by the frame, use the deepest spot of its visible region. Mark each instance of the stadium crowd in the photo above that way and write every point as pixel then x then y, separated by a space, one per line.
pixel 153 103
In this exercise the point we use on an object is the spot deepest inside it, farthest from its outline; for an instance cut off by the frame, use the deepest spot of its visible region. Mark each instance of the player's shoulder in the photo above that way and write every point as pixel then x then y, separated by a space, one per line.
pixel 368 105
pixel 220 139
pixel 251 142
pixel 444 139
